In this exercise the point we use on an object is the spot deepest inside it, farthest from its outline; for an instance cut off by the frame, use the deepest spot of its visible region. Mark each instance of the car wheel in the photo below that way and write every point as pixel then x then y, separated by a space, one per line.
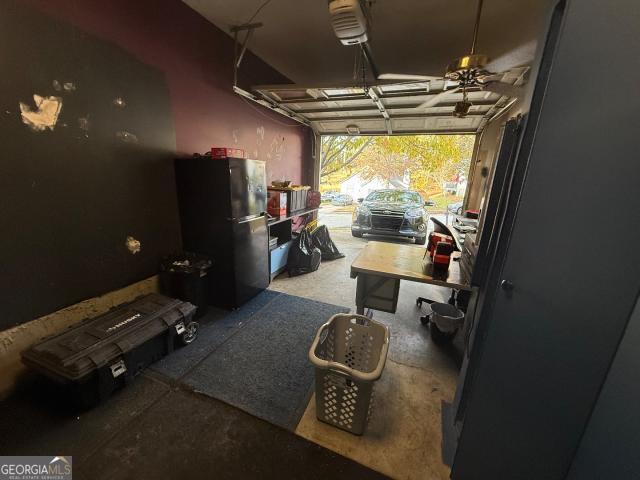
pixel 421 240
pixel 356 234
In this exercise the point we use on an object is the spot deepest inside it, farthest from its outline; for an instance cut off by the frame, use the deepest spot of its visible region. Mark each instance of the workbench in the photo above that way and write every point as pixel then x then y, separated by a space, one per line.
pixel 380 266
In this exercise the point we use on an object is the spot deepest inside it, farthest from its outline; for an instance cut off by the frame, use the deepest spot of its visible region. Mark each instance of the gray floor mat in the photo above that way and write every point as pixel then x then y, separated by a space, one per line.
pixel 216 327
pixel 263 369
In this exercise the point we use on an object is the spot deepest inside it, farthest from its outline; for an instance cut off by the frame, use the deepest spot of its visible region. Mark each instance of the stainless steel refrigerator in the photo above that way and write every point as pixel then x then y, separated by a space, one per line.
pixel 223 206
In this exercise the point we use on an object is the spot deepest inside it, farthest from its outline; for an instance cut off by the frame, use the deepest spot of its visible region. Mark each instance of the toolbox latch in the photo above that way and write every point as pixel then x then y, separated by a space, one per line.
pixel 180 328
pixel 118 368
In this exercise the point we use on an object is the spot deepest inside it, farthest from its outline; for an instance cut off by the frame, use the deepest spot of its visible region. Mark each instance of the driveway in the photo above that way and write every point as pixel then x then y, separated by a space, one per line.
pixel 336 217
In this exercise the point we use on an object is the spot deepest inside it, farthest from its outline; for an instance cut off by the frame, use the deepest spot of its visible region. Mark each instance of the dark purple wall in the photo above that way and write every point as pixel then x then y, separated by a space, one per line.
pixel 72 193
pixel 196 58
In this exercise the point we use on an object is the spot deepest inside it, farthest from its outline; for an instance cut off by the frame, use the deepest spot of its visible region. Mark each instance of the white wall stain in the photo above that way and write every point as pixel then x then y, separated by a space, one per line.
pixel 277 148
pixel 260 135
pixel 69 87
pixel 119 102
pixel 57 86
pixel 134 246
pixel 235 135
pixel 44 116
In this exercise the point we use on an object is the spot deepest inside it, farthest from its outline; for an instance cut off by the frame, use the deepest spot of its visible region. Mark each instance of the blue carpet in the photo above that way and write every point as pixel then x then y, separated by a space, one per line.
pixel 216 327
pixel 263 368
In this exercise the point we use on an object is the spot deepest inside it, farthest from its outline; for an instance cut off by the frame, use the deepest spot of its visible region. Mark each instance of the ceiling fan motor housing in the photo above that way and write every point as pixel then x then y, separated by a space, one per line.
pixel 349 21
pixel 466 63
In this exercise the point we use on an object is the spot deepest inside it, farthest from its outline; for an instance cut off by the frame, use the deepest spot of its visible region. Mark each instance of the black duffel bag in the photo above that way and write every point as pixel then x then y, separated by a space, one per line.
pixel 303 257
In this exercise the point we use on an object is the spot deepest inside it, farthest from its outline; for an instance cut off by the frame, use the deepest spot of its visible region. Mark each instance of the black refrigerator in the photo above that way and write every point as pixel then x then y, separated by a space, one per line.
pixel 223 205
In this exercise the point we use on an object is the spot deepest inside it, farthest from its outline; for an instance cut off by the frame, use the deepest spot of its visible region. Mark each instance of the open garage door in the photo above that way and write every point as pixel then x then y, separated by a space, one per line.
pixel 386 109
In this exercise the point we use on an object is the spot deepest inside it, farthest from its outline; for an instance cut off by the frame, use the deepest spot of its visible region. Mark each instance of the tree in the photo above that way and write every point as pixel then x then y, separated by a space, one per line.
pixel 427 161
pixel 338 152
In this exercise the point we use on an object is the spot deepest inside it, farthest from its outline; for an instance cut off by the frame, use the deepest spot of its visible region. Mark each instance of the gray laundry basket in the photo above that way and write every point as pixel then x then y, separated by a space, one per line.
pixel 349 353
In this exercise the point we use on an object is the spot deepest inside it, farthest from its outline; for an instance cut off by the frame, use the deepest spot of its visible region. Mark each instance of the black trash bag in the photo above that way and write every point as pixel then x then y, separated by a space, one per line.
pixel 322 240
pixel 303 257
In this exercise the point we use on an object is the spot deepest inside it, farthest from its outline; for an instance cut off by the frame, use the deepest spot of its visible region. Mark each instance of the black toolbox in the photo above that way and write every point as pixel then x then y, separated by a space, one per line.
pixel 98 355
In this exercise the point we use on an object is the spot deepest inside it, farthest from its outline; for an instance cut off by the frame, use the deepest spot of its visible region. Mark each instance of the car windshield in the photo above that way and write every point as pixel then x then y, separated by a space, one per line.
pixel 394 196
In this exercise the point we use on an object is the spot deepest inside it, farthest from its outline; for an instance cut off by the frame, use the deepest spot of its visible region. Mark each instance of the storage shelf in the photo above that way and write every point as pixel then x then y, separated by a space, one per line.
pixel 298 213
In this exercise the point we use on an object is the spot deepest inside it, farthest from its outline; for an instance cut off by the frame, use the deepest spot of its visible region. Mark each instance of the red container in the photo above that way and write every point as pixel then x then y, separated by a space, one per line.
pixel 442 255
pixel 313 199
pixel 436 238
pixel 224 152
pixel 276 202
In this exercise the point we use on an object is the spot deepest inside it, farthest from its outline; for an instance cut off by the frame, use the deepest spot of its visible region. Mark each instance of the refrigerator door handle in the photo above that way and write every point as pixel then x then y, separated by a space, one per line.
pixel 248 219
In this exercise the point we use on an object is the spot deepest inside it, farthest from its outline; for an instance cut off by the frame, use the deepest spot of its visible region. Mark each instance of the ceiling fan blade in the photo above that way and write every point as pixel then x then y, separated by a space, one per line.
pixel 504 89
pixel 517 57
pixel 436 99
pixel 404 76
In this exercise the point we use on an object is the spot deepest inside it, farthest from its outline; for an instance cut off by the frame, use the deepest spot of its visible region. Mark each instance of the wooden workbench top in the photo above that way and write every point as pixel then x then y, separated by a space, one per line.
pixel 406 262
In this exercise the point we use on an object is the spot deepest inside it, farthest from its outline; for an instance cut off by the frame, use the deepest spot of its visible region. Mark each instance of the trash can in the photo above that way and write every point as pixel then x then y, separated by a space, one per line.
pixel 445 320
pixel 185 277
pixel 349 353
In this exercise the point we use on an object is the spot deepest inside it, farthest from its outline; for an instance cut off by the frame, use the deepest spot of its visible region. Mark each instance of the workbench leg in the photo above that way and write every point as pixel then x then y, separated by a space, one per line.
pixel 360 294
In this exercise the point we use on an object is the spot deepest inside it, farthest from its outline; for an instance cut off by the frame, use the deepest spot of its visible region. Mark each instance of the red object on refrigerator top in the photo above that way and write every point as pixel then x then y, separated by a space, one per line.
pixel 224 152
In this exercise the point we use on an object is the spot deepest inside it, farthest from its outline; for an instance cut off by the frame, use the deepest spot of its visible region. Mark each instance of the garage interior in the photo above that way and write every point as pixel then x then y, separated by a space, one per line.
pixel 108 112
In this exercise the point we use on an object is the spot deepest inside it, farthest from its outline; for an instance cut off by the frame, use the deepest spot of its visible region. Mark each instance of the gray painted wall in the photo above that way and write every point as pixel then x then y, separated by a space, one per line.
pixel 551 341
pixel 610 447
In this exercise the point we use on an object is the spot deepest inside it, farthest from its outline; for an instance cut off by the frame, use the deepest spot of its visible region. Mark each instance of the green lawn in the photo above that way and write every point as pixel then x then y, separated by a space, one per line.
pixel 441 202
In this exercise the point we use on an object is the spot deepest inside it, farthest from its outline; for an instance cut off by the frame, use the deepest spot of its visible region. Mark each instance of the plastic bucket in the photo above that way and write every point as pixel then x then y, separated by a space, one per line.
pixel 446 317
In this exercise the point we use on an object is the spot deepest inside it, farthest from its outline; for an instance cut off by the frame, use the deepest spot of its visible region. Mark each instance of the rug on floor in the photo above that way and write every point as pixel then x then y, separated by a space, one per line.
pixel 216 327
pixel 263 368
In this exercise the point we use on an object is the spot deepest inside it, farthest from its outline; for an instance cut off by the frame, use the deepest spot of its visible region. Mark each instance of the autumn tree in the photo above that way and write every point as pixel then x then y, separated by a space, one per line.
pixel 339 152
pixel 426 160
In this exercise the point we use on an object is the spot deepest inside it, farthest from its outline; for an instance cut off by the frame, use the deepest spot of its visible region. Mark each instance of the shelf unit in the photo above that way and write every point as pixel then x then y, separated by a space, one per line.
pixel 282 227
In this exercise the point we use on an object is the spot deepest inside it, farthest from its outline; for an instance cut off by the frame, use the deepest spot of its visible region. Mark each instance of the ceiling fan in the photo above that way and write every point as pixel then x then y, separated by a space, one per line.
pixel 467 72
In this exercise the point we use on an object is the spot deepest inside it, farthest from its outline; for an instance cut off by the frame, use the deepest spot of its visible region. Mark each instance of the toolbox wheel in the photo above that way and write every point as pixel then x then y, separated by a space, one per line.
pixel 424 320
pixel 190 333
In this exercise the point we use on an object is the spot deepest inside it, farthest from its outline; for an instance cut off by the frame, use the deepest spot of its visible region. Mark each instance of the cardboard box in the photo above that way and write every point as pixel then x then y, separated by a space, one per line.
pixel 276 202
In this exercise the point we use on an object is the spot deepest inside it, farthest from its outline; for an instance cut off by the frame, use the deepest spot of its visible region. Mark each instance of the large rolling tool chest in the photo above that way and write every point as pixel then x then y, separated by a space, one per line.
pixel 99 355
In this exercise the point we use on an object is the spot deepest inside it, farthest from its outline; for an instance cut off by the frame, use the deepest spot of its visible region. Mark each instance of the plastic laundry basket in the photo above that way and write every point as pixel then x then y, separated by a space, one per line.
pixel 349 353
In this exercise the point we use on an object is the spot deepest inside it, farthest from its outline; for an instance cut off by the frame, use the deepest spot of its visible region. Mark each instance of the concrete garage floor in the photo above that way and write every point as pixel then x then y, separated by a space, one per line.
pixel 154 429
pixel 157 428
pixel 403 439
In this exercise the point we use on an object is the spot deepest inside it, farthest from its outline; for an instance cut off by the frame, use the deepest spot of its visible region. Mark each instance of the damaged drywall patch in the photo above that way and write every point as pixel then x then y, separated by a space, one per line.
pixel 133 245
pixel 126 137
pixel 84 123
pixel 119 102
pixel 44 116
pixel 66 86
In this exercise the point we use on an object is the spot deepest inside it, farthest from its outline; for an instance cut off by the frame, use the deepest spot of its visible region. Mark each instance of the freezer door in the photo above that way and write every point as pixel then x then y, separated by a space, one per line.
pixel 248 183
pixel 251 258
